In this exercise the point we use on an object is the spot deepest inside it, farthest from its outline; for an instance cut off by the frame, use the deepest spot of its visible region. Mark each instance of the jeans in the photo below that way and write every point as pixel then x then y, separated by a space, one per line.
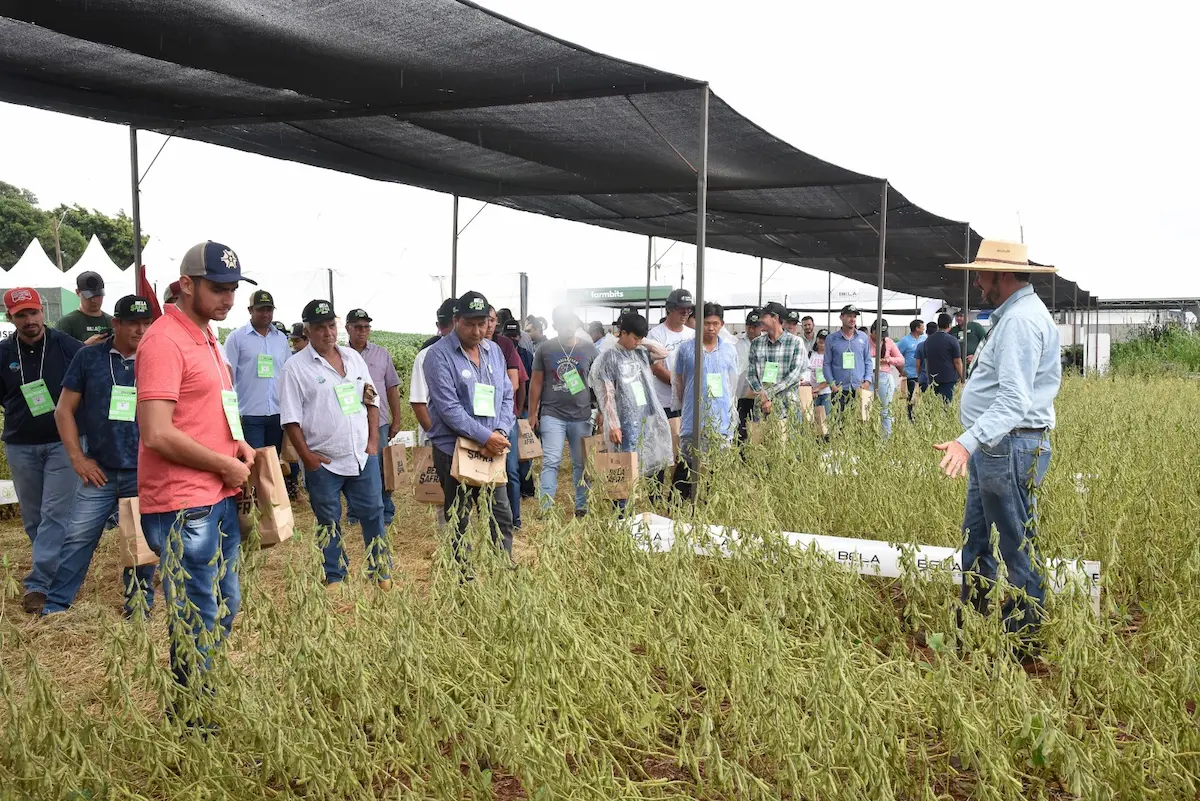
pixel 913 388
pixel 887 391
pixel 389 507
pixel 364 502
pixel 93 507
pixel 1001 493
pixel 554 432
pixel 460 499
pixel 46 484
pixel 945 392
pixel 513 466
pixel 204 615
pixel 745 406
pixel 262 431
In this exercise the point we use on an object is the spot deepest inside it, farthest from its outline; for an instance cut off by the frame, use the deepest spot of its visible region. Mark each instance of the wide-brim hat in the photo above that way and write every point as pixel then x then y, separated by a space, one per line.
pixel 998 256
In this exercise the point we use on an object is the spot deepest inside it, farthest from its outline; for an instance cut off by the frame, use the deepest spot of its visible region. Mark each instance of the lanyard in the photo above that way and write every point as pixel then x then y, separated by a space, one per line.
pixel 41 367
pixel 563 348
pixel 112 373
pixel 485 368
pixel 221 372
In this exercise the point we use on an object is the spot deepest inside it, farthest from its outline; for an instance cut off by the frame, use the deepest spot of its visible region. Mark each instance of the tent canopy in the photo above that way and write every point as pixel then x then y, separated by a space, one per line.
pixel 34 269
pixel 445 95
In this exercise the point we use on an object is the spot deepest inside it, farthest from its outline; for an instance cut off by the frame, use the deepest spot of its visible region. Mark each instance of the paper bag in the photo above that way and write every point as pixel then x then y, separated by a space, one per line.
pixel 616 474
pixel 427 487
pixel 592 447
pixel 473 467
pixel 135 551
pixel 266 491
pixel 864 404
pixel 395 468
pixel 820 418
pixel 806 402
pixel 757 429
pixel 528 446
pixel 288 454
pixel 675 423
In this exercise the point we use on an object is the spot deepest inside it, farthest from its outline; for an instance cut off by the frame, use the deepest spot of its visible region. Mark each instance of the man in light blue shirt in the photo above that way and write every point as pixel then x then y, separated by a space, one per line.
pixel 256 353
pixel 1007 409
pixel 908 349
pixel 847 359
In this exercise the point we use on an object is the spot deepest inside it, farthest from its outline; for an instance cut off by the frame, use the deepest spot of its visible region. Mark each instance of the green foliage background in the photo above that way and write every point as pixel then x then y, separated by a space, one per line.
pixel 21 220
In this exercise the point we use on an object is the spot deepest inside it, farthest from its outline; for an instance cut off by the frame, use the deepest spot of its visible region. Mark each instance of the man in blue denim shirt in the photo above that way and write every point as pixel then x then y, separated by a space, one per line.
pixel 470 396
pixel 99 386
pixel 1007 408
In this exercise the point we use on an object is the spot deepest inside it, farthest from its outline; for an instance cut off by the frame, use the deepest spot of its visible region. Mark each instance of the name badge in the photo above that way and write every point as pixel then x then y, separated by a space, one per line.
pixel 266 365
pixel 716 385
pixel 848 360
pixel 122 407
pixel 770 373
pixel 639 392
pixel 820 376
pixel 483 400
pixel 347 395
pixel 574 381
pixel 37 397
pixel 229 401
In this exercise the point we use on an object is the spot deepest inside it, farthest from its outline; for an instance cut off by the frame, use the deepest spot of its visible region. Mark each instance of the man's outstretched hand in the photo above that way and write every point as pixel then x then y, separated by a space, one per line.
pixel 954 460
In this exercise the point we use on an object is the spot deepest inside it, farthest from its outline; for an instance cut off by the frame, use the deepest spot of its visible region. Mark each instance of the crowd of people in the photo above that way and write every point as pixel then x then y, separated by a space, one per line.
pixel 103 408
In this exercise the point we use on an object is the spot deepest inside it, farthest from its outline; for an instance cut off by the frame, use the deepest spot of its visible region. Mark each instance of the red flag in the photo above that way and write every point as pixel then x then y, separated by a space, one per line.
pixel 147 292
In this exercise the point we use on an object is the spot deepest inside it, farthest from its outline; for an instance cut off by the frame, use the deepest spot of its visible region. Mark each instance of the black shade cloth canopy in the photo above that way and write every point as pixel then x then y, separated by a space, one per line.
pixel 447 96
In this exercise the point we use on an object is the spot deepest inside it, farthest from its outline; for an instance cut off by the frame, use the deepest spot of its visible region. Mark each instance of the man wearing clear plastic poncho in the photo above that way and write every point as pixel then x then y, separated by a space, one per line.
pixel 632 417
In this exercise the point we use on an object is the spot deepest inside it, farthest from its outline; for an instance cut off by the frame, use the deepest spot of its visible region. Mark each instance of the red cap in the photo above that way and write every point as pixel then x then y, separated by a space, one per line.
pixel 20 299
pixel 174 290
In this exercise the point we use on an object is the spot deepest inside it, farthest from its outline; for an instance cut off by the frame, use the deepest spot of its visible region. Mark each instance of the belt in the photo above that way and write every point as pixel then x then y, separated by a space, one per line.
pixel 1030 432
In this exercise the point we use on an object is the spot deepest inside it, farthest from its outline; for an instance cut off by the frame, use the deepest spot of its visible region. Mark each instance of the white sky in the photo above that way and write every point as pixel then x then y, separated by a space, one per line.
pixel 1078 116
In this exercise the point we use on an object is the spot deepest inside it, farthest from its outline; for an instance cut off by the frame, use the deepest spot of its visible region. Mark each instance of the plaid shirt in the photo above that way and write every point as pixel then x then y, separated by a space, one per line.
pixel 788 352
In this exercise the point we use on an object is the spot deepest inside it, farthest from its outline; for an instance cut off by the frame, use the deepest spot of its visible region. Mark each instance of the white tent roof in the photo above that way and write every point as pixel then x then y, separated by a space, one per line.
pixel 34 269
pixel 117 282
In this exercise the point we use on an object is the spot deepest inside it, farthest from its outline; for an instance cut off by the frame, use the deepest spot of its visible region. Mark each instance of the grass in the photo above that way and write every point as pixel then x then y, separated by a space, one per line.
pixel 1158 349
pixel 598 670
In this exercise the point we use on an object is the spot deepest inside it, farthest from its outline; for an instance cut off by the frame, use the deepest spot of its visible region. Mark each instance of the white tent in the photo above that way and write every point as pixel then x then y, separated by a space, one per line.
pixel 117 282
pixel 34 269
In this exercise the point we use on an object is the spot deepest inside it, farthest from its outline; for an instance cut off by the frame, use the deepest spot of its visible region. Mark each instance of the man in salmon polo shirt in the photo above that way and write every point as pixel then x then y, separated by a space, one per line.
pixel 193 458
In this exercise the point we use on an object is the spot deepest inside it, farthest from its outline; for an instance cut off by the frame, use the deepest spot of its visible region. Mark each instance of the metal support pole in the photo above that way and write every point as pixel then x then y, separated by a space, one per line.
pixel 760 280
pixel 137 210
pixel 524 296
pixel 649 264
pixel 330 271
pixel 1096 349
pixel 829 301
pixel 880 349
pixel 1074 326
pixel 966 298
pixel 698 382
pixel 454 254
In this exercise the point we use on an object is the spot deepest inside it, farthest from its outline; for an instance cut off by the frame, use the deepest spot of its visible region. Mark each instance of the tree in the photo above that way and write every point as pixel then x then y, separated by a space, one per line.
pixel 20 222
pixel 115 233
pixel 8 190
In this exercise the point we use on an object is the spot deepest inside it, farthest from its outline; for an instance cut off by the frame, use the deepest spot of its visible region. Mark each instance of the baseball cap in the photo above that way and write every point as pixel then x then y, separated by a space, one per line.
pixel 754 317
pixel 624 311
pixel 214 262
pixel 680 299
pixel 471 305
pixel 774 309
pixel 849 308
pixel 298 331
pixel 132 307
pixel 173 293
pixel 512 327
pixel 89 284
pixel 824 332
pixel 280 327
pixel 318 311
pixel 357 316
pixel 445 312
pixel 793 316
pixel 20 299
pixel 261 298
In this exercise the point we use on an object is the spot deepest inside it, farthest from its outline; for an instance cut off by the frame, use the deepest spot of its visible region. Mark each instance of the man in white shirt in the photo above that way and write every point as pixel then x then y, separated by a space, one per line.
pixel 330 410
pixel 671 333
pixel 418 390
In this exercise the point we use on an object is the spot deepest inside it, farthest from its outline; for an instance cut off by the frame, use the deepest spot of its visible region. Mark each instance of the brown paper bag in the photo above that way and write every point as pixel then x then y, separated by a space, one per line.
pixel 757 429
pixel 592 447
pixel 820 420
pixel 616 474
pixel 427 487
pixel 288 454
pixel 265 491
pixel 675 423
pixel 135 551
pixel 806 402
pixel 865 397
pixel 395 468
pixel 471 466
pixel 528 445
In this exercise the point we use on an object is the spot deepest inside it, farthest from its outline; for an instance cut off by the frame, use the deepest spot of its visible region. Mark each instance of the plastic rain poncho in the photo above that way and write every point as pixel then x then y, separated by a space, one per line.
pixel 624 391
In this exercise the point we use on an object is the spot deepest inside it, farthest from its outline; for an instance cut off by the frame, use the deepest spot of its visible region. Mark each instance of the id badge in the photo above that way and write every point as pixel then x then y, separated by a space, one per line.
pixel 639 392
pixel 483 400
pixel 37 397
pixel 229 401
pixel 770 373
pixel 848 360
pixel 122 407
pixel 716 385
pixel 347 395
pixel 266 365
pixel 574 381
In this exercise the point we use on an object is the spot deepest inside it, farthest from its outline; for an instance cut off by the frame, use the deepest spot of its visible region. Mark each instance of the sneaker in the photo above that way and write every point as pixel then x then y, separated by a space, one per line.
pixel 33 602
pixel 384 585
pixel 581 513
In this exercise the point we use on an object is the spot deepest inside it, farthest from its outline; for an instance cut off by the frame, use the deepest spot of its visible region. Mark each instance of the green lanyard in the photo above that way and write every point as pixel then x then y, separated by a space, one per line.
pixel 37 394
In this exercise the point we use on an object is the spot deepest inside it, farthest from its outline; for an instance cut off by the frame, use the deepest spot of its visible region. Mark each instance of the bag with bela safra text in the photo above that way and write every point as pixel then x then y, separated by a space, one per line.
pixel 266 491
pixel 395 468
pixel 592 447
pixel 427 486
pixel 135 551
pixel 616 474
pixel 528 445
pixel 471 466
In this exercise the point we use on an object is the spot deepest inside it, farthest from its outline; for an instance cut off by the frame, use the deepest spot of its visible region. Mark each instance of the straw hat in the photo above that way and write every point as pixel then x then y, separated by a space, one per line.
pixel 998 256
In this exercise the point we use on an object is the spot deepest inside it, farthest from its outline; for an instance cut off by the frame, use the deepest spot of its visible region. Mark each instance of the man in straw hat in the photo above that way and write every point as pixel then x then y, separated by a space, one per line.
pixel 1007 409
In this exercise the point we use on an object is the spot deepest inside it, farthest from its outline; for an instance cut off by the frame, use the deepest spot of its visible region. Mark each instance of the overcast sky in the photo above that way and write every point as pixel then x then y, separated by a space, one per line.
pixel 1080 120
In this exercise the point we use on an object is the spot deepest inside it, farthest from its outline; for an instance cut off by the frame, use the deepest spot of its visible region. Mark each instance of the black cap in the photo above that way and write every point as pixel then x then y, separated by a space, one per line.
pixel 89 284
pixel 445 312
pixel 824 332
pixel 132 307
pixel 680 299
pixel 754 317
pixel 624 311
pixel 512 327
pixel 357 316
pixel 875 326
pixel 318 311
pixel 298 331
pixel 260 298
pixel 774 309
pixel 792 316
pixel 280 327
pixel 471 305
pixel 849 308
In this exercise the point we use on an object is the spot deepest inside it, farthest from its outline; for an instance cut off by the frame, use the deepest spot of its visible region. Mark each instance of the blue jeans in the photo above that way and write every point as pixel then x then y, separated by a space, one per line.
pixel 364 502
pixel 45 483
pixel 554 432
pixel 262 430
pixel 93 507
pixel 945 392
pixel 513 466
pixel 389 506
pixel 1000 493
pixel 887 391
pixel 204 581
